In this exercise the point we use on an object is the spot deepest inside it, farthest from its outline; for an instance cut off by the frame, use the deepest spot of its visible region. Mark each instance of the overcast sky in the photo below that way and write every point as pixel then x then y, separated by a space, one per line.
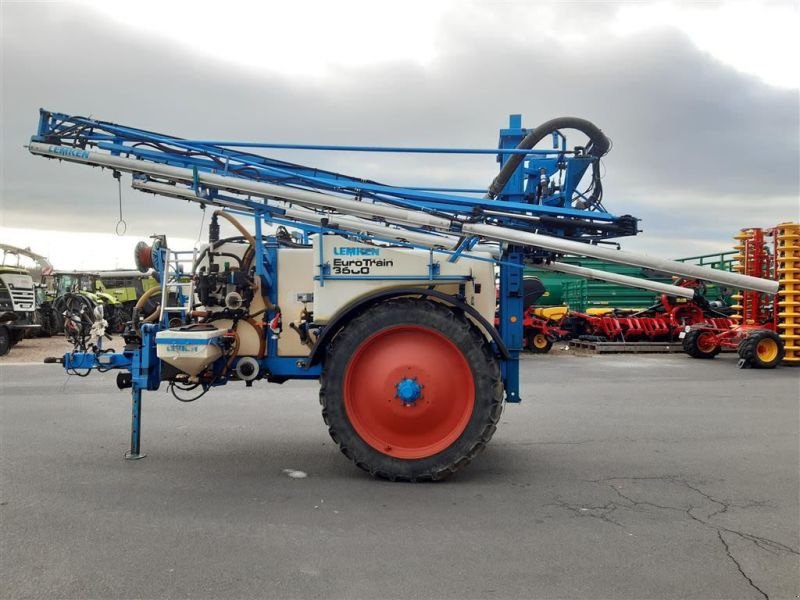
pixel 700 99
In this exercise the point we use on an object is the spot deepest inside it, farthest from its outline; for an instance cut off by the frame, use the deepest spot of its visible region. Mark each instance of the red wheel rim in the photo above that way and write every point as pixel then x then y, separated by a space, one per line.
pixel 409 430
pixel 706 342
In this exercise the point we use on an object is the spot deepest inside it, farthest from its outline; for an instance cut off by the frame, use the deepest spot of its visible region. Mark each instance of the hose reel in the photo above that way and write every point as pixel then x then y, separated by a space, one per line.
pixel 148 256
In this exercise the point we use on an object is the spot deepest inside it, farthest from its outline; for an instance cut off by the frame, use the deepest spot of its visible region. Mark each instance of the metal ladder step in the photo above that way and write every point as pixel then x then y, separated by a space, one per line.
pixel 173 261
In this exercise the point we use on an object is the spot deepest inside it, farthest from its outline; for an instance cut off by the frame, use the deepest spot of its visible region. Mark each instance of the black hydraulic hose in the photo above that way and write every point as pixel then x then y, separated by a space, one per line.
pixel 597 147
pixel 217 244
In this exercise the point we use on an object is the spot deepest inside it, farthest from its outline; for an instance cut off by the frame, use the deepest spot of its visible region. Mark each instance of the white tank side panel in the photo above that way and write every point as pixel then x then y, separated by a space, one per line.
pixel 485 302
pixel 295 276
pixel 257 304
pixel 249 336
pixel 359 261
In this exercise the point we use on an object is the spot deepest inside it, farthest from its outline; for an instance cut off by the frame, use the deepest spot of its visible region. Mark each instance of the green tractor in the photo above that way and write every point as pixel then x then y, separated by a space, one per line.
pixel 125 286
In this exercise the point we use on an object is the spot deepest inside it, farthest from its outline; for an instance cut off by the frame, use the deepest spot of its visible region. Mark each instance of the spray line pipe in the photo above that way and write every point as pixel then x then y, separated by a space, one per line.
pixel 400 215
pixel 338 221
pixel 645 284
pixel 357 225
pixel 734 280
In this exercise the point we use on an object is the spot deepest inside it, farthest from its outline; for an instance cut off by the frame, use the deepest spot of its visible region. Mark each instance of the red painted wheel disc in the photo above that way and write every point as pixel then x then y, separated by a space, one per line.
pixel 706 342
pixel 409 430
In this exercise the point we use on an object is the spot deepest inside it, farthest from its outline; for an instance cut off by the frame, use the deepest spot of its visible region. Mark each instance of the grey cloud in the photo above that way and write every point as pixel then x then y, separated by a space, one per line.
pixel 692 137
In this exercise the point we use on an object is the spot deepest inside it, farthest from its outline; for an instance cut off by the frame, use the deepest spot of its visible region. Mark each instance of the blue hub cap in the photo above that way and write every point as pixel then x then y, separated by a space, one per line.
pixel 408 390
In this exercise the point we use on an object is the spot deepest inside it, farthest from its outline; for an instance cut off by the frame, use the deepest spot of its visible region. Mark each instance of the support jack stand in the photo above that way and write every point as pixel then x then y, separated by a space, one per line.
pixel 136 423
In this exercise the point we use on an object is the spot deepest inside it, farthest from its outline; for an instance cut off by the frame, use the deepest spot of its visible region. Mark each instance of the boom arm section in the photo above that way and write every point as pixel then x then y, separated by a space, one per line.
pixel 549 206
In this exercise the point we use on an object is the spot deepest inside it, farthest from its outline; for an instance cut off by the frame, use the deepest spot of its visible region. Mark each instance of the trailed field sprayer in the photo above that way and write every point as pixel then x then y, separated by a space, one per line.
pixel 386 294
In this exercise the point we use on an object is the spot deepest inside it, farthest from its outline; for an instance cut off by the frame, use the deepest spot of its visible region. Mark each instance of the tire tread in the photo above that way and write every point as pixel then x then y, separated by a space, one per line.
pixel 749 355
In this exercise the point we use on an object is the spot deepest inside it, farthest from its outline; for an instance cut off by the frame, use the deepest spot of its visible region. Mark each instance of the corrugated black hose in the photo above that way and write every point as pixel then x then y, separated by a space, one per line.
pixel 598 146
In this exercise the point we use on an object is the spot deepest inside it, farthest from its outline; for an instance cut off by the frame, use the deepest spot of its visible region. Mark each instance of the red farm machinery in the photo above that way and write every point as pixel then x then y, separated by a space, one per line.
pixel 767 327
pixel 665 321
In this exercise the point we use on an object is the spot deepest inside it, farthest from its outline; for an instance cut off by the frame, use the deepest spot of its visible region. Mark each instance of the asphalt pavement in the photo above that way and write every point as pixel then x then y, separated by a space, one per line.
pixel 617 477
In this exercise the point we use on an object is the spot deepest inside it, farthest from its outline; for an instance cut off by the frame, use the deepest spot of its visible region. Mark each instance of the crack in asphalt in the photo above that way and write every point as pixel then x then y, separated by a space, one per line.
pixel 739 566
pixel 603 512
pixel 761 542
pixel 590 511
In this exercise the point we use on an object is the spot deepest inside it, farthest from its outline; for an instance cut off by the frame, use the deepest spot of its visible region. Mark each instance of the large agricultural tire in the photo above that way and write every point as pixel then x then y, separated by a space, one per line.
pixel 44 316
pixel 75 306
pixel 762 349
pixel 118 317
pixel 538 343
pixel 700 343
pixel 58 323
pixel 410 390
pixel 79 305
pixel 72 303
pixel 5 340
pixel 17 335
pixel 51 324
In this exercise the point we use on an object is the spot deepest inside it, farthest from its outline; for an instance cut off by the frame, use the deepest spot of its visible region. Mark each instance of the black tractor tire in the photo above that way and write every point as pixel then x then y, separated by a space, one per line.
pixel 72 303
pixel 762 349
pixel 402 341
pixel 58 323
pixel 43 317
pixel 52 324
pixel 125 316
pixel 697 344
pixel 539 343
pixel 117 317
pixel 17 335
pixel 5 340
pixel 79 306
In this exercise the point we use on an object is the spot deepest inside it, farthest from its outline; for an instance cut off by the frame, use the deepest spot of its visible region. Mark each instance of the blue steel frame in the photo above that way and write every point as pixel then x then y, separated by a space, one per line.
pixel 515 207
pixel 511 288
pixel 221 158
